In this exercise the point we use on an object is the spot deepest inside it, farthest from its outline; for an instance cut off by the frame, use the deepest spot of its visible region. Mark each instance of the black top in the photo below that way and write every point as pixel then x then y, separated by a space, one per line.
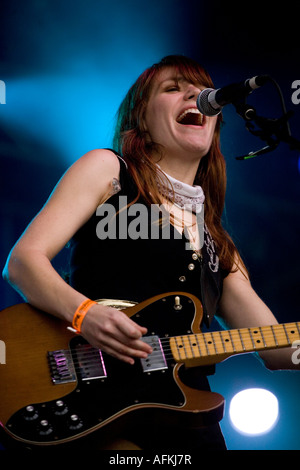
pixel 120 267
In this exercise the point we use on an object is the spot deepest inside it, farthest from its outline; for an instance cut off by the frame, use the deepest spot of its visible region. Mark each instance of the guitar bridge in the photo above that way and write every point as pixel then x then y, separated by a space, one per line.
pixel 156 360
pixel 89 364
pixel 61 367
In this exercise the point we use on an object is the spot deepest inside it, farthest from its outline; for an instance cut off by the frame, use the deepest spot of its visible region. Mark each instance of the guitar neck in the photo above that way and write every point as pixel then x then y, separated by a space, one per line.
pixel 213 347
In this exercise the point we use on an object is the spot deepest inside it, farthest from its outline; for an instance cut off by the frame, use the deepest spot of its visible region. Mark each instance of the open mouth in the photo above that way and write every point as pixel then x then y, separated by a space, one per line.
pixel 190 117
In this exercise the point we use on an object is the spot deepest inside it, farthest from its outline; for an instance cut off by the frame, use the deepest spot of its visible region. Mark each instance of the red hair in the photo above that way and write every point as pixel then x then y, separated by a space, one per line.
pixel 131 140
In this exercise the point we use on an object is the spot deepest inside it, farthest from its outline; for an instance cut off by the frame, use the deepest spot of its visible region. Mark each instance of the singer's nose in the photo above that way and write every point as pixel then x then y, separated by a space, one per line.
pixel 192 92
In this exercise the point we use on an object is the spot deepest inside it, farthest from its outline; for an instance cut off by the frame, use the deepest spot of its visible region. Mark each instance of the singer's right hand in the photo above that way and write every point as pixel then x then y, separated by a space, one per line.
pixel 115 333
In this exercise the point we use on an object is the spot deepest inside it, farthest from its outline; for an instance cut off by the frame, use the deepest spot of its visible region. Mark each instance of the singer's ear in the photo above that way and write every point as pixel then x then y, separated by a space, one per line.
pixel 147 136
pixel 143 128
pixel 143 125
pixel 142 122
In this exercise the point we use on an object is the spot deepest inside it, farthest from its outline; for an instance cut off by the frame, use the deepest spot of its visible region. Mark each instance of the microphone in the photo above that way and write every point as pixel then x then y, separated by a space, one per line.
pixel 210 101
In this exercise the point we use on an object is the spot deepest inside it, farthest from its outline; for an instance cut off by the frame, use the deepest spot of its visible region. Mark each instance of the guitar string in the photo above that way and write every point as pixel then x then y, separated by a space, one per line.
pixel 93 353
pixel 185 340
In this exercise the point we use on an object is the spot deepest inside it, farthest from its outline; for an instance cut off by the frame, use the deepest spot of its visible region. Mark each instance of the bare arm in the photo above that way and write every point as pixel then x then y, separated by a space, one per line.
pixel 241 307
pixel 29 268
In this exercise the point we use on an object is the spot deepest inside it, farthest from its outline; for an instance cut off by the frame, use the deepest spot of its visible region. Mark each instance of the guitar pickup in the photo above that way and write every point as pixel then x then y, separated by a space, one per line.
pixel 156 360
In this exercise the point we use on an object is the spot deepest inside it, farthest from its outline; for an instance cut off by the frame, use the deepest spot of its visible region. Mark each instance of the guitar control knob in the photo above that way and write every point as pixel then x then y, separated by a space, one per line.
pixel 45 428
pixel 75 422
pixel 60 408
pixel 30 413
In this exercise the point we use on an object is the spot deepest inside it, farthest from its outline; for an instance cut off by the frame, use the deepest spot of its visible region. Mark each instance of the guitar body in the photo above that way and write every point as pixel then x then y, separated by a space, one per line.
pixel 55 388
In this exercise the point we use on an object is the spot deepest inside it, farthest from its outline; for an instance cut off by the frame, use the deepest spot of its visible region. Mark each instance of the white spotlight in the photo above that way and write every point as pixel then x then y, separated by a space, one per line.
pixel 254 411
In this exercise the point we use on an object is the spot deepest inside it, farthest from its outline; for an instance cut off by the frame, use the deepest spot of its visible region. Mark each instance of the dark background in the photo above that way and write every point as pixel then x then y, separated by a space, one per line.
pixel 67 65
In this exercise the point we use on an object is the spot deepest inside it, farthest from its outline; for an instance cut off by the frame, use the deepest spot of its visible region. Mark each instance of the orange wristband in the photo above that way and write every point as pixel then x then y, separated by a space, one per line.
pixel 80 313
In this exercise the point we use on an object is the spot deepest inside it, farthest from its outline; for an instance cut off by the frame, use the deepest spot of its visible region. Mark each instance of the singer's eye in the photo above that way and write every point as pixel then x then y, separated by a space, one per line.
pixel 172 88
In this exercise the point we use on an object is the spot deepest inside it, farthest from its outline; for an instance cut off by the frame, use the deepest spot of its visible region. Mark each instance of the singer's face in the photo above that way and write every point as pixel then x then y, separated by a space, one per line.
pixel 172 118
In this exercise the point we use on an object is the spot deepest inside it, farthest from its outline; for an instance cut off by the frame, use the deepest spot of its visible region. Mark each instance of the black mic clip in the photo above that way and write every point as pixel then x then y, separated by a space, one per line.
pixel 271 131
pixel 246 111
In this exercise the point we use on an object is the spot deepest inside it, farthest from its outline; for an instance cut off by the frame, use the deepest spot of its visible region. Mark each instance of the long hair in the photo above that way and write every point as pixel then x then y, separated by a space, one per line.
pixel 131 140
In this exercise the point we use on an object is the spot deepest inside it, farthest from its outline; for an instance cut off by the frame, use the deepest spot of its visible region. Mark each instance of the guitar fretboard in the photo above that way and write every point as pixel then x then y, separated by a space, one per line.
pixel 213 347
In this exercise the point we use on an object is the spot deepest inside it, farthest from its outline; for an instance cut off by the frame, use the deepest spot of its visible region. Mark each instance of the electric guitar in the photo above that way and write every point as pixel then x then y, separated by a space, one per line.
pixel 55 388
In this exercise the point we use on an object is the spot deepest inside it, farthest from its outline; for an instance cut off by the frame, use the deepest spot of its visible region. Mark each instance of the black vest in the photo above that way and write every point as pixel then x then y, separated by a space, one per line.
pixel 120 267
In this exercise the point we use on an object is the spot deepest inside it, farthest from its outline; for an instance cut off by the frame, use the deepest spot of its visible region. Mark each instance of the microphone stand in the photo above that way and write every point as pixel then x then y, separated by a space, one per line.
pixel 272 131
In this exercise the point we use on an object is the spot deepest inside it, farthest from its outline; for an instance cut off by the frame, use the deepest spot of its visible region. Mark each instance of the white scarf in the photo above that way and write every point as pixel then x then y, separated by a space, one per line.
pixel 185 196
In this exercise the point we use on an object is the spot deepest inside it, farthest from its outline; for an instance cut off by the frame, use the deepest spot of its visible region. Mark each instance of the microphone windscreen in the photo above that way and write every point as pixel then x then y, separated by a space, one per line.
pixel 204 105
